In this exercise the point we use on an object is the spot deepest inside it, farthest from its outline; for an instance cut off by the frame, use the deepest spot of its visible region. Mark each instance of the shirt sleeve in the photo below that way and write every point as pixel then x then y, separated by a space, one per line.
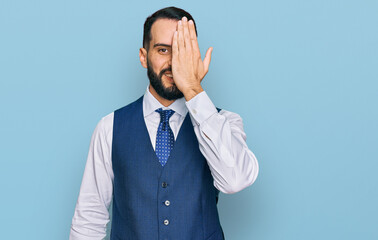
pixel 92 208
pixel 222 141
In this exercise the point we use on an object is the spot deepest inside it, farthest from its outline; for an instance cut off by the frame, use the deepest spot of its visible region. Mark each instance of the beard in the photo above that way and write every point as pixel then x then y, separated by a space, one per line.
pixel 169 93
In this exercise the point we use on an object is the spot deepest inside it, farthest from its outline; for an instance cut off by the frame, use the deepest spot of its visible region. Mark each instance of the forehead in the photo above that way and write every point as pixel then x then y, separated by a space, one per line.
pixel 162 31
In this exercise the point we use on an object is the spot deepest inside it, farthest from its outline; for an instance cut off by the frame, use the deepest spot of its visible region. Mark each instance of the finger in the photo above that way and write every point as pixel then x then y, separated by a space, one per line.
pixel 193 38
pixel 187 41
pixel 180 36
pixel 206 61
pixel 174 47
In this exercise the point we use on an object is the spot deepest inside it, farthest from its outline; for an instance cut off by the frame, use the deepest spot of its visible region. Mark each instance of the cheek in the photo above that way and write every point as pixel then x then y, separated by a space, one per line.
pixel 159 63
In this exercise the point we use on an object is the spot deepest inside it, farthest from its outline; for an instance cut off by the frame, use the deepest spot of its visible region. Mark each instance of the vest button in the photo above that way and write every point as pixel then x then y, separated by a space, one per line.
pixel 167 203
pixel 164 184
pixel 166 222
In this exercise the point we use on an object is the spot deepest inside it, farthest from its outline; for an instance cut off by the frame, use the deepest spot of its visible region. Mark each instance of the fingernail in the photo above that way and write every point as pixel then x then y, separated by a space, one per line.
pixel 190 22
pixel 179 22
pixel 184 19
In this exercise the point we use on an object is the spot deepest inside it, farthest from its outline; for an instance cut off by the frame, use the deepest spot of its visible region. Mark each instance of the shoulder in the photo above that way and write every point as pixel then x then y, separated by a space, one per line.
pixel 105 125
pixel 228 114
pixel 130 106
pixel 231 117
pixel 107 121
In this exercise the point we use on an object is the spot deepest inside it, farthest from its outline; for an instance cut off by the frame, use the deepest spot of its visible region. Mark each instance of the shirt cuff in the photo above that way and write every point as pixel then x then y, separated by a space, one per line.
pixel 201 107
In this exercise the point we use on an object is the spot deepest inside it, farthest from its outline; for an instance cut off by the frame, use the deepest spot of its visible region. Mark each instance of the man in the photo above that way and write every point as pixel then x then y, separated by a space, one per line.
pixel 164 158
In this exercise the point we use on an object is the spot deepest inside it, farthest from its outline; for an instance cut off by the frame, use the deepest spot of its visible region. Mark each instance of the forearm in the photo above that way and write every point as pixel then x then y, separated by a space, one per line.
pixel 222 142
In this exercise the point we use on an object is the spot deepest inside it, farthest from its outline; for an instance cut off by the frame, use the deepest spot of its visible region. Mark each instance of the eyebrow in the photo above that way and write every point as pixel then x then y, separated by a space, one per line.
pixel 161 45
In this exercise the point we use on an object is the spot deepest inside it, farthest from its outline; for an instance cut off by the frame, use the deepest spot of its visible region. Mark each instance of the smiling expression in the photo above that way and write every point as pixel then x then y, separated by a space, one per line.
pixel 158 59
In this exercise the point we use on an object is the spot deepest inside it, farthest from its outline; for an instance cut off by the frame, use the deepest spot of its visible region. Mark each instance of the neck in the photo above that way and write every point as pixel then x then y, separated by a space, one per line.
pixel 163 101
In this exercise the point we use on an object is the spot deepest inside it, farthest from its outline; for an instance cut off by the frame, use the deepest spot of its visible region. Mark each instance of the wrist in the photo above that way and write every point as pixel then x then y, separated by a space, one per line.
pixel 192 92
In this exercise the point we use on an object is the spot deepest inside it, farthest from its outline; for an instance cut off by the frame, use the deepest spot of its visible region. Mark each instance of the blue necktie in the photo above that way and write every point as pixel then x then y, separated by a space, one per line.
pixel 164 136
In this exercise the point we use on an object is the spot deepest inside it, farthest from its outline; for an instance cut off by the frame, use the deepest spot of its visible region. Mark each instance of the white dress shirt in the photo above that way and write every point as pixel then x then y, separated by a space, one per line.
pixel 221 139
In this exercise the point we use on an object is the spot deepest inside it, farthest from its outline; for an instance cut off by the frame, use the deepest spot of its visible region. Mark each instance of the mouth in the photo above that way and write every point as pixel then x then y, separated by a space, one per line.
pixel 169 76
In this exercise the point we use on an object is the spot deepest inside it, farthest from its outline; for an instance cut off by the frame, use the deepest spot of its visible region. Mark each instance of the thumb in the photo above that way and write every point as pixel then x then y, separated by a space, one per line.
pixel 207 59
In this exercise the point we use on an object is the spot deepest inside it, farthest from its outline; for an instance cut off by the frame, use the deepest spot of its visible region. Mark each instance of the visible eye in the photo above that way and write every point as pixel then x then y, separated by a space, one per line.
pixel 163 50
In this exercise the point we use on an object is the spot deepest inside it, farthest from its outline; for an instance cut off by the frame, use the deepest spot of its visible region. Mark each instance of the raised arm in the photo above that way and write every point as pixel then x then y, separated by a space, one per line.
pixel 222 141
pixel 220 135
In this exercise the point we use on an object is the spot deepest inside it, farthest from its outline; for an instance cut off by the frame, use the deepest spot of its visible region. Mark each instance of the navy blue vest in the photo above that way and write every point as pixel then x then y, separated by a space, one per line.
pixel 151 202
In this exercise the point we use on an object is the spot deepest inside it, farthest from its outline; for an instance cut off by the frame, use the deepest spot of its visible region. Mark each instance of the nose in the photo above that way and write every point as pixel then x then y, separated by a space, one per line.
pixel 170 61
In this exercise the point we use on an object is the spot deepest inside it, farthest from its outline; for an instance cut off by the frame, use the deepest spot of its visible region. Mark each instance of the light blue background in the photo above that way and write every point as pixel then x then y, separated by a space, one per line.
pixel 302 74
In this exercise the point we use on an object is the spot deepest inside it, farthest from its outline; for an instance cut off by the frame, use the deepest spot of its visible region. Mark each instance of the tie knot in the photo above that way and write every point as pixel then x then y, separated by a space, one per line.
pixel 165 114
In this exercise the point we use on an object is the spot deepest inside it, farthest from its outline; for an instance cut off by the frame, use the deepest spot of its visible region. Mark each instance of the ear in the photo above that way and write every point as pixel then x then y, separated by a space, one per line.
pixel 143 57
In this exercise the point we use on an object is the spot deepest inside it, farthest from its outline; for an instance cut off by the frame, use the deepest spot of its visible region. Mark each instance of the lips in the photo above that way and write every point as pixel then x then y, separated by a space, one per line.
pixel 168 74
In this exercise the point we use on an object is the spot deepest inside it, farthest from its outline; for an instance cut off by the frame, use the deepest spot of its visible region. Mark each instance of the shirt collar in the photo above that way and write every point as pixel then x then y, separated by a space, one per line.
pixel 150 104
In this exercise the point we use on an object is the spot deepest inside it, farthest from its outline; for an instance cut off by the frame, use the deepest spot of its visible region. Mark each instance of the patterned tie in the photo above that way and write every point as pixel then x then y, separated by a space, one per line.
pixel 164 136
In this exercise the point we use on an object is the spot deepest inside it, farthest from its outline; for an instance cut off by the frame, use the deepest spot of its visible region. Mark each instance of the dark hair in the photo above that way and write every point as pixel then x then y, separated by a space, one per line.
pixel 167 13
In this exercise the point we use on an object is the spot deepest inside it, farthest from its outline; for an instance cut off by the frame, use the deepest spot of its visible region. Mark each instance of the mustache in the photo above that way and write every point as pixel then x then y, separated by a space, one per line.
pixel 168 69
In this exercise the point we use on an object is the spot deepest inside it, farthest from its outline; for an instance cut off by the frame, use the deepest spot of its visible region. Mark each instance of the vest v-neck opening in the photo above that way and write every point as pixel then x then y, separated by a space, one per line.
pixel 151 148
